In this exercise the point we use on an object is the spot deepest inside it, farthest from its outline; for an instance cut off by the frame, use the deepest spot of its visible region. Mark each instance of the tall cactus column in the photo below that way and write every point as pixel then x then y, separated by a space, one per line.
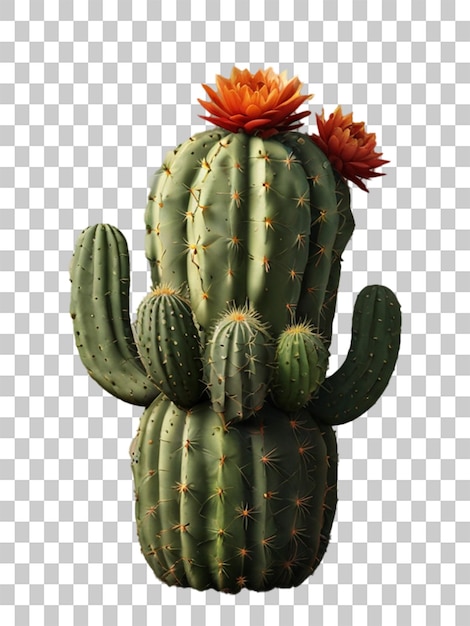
pixel 242 230
pixel 235 459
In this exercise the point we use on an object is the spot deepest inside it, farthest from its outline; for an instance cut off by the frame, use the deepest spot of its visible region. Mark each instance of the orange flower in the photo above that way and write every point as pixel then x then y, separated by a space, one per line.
pixel 260 104
pixel 348 147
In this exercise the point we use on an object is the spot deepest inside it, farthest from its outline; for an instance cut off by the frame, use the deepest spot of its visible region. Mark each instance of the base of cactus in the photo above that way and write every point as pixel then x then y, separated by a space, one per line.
pixel 248 505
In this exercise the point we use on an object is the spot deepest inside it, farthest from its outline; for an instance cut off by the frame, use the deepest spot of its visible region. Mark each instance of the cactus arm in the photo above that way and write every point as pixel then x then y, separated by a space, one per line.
pixel 99 307
pixel 237 364
pixel 168 344
pixel 370 362
pixel 300 366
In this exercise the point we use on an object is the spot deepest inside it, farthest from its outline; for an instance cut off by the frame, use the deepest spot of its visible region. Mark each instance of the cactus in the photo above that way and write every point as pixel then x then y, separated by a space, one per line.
pixel 237 364
pixel 168 344
pixel 300 366
pixel 235 462
pixel 99 307
pixel 373 352
pixel 235 507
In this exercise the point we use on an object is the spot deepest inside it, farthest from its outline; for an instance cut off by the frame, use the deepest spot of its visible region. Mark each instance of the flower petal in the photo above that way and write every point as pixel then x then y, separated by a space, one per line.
pixel 253 125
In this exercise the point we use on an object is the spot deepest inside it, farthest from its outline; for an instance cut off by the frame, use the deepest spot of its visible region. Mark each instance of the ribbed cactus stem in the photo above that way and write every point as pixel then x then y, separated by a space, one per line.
pixel 168 344
pixel 324 224
pixel 243 219
pixel 165 219
pixel 238 364
pixel 247 506
pixel 300 366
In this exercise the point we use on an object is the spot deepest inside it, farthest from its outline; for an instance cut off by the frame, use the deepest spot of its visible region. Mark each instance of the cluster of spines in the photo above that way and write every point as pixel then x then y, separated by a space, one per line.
pixel 245 506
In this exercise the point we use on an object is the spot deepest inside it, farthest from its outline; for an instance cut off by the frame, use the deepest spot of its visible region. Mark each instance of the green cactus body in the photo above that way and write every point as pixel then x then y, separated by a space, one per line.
pixel 343 235
pixel 165 215
pixel 235 459
pixel 324 226
pixel 371 359
pixel 237 364
pixel 99 307
pixel 168 344
pixel 247 214
pixel 300 367
pixel 246 506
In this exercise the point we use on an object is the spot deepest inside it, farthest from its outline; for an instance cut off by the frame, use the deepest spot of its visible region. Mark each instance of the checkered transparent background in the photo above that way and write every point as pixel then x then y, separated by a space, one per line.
pixel 93 94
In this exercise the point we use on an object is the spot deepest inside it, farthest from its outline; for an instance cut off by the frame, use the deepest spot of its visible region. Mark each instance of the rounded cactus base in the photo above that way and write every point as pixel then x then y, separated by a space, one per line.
pixel 249 505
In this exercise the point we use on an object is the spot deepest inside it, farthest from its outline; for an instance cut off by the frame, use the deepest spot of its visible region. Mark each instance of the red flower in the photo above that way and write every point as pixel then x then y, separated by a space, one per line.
pixel 349 148
pixel 260 104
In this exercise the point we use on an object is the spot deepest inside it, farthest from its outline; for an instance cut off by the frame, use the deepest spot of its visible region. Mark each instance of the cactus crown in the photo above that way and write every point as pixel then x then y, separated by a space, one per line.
pixel 300 328
pixel 242 314
pixel 165 289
